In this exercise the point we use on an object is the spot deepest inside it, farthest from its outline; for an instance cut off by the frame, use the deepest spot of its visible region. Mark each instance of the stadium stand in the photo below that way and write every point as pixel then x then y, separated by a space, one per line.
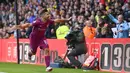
pixel 79 10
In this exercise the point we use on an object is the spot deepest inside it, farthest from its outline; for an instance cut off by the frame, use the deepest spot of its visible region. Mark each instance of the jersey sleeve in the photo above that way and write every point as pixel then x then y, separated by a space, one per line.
pixel 51 22
pixel 36 22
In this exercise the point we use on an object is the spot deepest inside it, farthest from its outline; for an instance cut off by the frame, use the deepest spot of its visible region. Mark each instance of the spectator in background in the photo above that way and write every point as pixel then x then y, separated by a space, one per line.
pixel 62 31
pixel 80 20
pixel 88 30
pixel 126 12
pixel 121 26
pixel 23 34
pixel 31 18
pixel 5 35
pixel 98 15
pixel 79 10
pixel 94 23
pixel 51 31
pixel 1 31
pixel 103 29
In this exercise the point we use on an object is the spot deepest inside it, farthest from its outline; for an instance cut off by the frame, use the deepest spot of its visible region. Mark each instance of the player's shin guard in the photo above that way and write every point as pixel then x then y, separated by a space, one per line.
pixel 47 61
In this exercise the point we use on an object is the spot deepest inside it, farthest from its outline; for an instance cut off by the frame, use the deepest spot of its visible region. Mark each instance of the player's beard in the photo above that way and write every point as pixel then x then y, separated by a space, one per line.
pixel 46 18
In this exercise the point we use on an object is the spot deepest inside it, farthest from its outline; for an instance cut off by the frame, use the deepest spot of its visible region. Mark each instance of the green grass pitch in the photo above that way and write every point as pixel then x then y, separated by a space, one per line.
pixel 25 68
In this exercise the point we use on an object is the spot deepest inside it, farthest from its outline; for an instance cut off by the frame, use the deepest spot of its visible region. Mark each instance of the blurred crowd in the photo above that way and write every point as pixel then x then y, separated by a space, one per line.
pixel 96 18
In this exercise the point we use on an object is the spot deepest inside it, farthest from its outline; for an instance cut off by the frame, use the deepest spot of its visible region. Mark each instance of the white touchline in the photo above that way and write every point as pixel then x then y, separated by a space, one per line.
pixel 3 72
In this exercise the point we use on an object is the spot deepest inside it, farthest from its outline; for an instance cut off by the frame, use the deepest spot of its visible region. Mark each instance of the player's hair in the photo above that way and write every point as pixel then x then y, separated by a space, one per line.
pixel 43 12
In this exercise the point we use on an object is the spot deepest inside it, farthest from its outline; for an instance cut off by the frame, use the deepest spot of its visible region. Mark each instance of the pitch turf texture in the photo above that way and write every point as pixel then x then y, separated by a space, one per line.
pixel 25 68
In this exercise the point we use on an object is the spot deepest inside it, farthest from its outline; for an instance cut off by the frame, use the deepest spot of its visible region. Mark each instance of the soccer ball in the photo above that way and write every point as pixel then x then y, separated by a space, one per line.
pixel 49 69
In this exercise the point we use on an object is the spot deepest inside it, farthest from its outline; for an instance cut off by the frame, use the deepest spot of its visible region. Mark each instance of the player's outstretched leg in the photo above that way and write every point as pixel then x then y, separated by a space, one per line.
pixel 47 60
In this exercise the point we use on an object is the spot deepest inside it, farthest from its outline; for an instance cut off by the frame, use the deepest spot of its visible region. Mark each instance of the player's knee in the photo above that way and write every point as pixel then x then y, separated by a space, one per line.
pixel 47 51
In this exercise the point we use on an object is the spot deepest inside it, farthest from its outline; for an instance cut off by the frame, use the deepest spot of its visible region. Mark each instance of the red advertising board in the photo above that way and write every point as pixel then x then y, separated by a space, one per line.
pixel 0 51
pixel 8 49
pixel 114 54
pixel 3 50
